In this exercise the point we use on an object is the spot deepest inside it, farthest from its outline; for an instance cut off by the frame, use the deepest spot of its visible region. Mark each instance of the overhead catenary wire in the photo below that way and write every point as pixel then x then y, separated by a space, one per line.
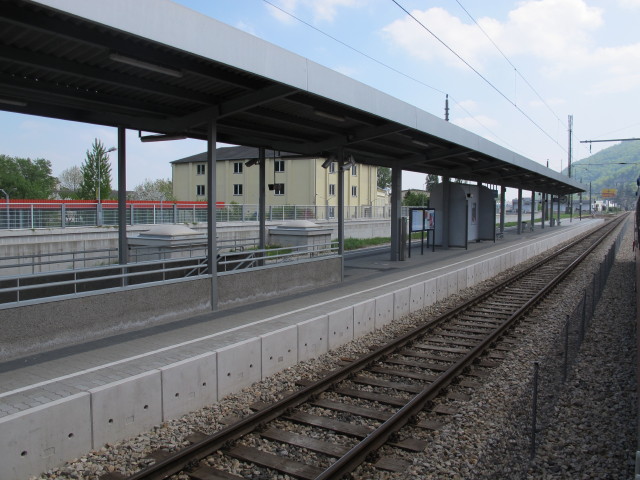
pixel 485 79
pixel 393 69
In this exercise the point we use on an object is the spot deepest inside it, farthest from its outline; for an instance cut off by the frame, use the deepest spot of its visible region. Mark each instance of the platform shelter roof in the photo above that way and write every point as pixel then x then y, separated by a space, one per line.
pixel 156 66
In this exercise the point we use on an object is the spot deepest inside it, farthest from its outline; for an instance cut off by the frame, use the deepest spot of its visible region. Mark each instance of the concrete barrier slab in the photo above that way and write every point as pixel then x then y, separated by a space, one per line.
pixel 384 310
pixel 452 283
pixel 279 350
pixel 442 287
pixel 462 278
pixel 416 297
pixel 125 408
pixel 401 303
pixel 430 292
pixel 364 318
pixel 238 366
pixel 340 327
pixel 189 385
pixel 42 438
pixel 471 275
pixel 313 338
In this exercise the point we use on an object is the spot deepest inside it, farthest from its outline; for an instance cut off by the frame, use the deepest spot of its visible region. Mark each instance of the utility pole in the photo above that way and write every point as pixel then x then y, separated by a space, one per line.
pixel 446 107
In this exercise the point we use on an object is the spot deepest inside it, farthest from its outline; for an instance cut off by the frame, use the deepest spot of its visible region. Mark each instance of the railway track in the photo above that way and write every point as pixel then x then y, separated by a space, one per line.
pixel 366 403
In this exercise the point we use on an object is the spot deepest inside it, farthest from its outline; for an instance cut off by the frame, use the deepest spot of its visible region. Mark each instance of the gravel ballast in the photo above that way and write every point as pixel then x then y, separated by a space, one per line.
pixel 590 435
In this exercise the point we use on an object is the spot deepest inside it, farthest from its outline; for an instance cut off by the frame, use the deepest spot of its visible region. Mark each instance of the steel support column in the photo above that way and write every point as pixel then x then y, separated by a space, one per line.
pixel 341 211
pixel 519 229
pixel 396 211
pixel 533 209
pixel 446 194
pixel 123 248
pixel 212 244
pixel 262 198
pixel 503 204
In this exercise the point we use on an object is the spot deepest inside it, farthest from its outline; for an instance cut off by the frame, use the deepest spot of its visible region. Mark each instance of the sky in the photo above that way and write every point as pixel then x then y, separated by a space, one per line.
pixel 513 70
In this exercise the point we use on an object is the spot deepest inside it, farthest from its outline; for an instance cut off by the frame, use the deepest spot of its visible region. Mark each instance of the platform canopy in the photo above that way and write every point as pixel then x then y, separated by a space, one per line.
pixel 155 66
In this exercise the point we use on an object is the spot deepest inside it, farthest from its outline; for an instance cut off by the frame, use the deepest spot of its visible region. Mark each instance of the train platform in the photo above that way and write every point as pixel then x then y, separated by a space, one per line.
pixel 59 404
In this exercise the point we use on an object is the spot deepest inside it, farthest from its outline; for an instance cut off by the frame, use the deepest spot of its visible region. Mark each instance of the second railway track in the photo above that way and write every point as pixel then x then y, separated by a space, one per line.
pixel 366 403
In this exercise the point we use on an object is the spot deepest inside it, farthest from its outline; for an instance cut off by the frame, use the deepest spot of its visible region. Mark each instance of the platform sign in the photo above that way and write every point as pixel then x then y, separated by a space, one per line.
pixel 609 193
pixel 416 219
pixel 422 220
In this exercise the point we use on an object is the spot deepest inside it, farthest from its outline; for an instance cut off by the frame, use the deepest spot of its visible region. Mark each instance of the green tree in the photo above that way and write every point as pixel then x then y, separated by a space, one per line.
pixel 96 173
pixel 26 178
pixel 69 182
pixel 415 199
pixel 384 177
pixel 431 181
pixel 159 190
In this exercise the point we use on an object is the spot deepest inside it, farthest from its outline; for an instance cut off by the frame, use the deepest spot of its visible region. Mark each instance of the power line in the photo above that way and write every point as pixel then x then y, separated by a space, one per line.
pixel 487 81
pixel 388 67
pixel 509 61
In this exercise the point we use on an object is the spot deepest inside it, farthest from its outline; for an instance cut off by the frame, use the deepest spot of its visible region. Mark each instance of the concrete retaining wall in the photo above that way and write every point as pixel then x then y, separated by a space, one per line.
pixel 62 322
pixel 32 441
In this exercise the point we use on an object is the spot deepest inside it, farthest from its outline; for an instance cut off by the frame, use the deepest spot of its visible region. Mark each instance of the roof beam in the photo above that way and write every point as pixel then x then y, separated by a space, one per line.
pixel 239 104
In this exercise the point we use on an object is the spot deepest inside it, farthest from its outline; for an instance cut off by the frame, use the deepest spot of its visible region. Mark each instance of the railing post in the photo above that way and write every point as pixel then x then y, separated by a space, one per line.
pixel 32 219
pixel 63 215
pixel 131 215
pixel 175 213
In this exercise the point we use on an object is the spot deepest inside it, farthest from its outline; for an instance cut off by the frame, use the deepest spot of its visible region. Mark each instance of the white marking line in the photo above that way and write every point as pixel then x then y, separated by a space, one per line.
pixel 207 337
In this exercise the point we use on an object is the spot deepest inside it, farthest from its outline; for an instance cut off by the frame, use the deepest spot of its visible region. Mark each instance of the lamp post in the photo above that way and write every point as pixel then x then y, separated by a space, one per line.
pixel 112 149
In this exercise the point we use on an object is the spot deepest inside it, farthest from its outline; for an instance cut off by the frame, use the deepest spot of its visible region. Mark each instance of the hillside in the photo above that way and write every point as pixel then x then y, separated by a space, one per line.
pixel 615 167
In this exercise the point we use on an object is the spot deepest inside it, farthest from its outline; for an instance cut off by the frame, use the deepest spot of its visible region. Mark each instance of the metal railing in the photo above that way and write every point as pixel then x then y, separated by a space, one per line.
pixel 38 287
pixel 45 262
pixel 61 214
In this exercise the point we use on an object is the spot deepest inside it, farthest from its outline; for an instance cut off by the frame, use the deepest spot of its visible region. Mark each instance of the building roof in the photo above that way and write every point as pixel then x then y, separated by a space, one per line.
pixel 234 153
pixel 155 66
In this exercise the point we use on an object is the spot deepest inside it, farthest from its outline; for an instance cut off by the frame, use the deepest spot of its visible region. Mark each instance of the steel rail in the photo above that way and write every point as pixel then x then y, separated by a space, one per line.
pixel 203 448
pixel 359 452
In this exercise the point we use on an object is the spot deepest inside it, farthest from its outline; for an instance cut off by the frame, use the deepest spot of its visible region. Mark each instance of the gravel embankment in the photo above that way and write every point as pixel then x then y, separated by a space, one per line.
pixel 592 435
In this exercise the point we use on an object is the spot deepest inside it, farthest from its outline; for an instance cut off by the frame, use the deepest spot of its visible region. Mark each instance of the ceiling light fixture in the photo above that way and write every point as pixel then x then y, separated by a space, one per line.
pixel 160 138
pixel 17 103
pixel 145 65
pixel 418 142
pixel 330 116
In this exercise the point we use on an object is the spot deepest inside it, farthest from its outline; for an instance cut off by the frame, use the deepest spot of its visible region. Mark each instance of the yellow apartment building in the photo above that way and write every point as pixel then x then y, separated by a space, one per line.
pixel 292 180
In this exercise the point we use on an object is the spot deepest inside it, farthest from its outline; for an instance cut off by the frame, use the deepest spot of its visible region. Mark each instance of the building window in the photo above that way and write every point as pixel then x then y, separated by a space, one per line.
pixel 200 169
pixel 332 189
pixel 354 170
pixel 200 192
pixel 332 167
pixel 279 189
pixel 332 212
pixel 237 189
pixel 237 167
pixel 279 166
pixel 354 191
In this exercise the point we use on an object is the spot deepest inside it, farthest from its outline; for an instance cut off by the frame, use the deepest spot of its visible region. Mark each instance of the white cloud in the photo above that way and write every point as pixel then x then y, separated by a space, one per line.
pixel 629 3
pixel 547 29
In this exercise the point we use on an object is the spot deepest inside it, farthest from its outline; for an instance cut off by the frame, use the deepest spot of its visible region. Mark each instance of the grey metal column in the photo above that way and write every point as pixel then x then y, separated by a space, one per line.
pixel 551 210
pixel 446 193
pixel 212 244
pixel 519 229
pixel 396 211
pixel 503 204
pixel 533 209
pixel 123 248
pixel 341 211
pixel 543 208
pixel 262 196
pixel 558 209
